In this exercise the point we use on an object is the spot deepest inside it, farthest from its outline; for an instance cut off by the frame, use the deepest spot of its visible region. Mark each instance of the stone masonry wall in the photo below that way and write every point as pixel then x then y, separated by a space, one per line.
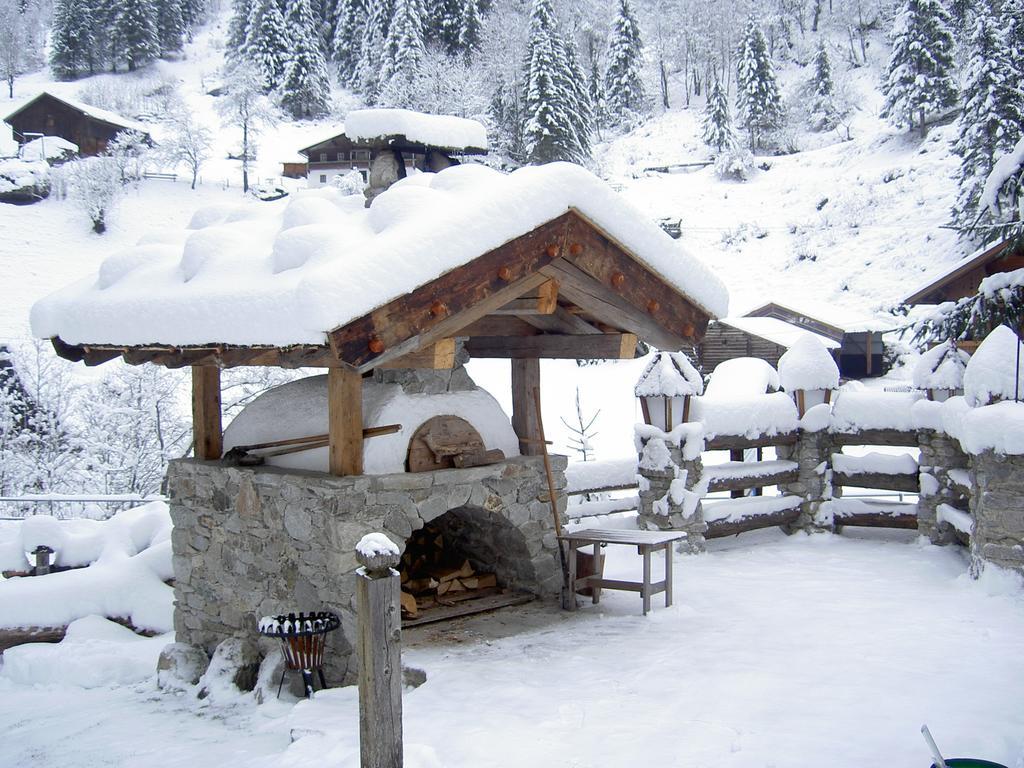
pixel 661 507
pixel 997 506
pixel 250 542
pixel 939 454
pixel 813 454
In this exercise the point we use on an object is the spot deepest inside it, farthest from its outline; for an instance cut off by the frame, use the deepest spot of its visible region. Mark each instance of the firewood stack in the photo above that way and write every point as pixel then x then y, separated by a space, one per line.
pixel 434 573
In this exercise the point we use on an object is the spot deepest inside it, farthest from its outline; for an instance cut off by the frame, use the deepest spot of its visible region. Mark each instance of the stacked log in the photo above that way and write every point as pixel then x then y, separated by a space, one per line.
pixel 435 573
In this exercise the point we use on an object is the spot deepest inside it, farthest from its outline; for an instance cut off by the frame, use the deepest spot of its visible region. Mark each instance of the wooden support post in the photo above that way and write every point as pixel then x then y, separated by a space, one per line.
pixel 525 379
pixel 867 362
pixel 380 660
pixel 736 455
pixel 207 435
pixel 345 421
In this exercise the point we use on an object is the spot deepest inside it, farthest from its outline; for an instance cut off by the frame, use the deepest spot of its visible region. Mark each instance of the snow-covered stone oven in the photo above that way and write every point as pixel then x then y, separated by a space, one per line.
pixel 546 262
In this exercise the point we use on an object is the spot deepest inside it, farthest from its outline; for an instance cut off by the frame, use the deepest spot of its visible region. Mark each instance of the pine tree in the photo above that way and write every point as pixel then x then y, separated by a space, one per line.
pixel 238 27
pixel 192 14
pixel 920 76
pixel 267 43
pixel 624 87
pixel 403 49
pixel 348 38
pixel 821 91
pixel 471 31
pixel 375 32
pixel 757 98
pixel 306 90
pixel 1011 21
pixel 557 117
pixel 993 113
pixel 446 25
pixel 136 32
pixel 718 131
pixel 170 24
pixel 71 39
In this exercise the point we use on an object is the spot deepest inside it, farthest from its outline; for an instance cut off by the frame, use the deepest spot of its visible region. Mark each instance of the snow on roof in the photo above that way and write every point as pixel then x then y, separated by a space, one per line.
pixel 992 371
pixel 287 272
pixel 669 374
pixel 961 265
pixel 843 318
pixel 776 331
pixel 48 148
pixel 941 367
pixel 808 365
pixel 94 112
pixel 442 131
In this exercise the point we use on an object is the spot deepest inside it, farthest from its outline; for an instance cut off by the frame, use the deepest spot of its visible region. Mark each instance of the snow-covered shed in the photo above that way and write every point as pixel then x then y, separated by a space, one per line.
pixel 545 262
pixel 91 128
pixel 414 139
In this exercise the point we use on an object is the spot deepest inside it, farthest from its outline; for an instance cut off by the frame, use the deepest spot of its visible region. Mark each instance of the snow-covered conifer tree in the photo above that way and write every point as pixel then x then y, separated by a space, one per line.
pixel 757 97
pixel 71 39
pixel 238 27
pixel 267 43
pixel 306 90
pixel 403 50
pixel 582 111
pixel 718 132
pixel 470 31
pixel 624 87
pixel 920 76
pixel 375 32
pixel 444 24
pixel 136 33
pixel 1011 21
pixel 823 114
pixel 993 113
pixel 348 38
pixel 170 24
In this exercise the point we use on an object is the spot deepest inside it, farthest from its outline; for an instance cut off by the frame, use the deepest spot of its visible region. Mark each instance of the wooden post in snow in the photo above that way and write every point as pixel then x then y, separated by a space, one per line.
pixel 380 655
pixel 206 414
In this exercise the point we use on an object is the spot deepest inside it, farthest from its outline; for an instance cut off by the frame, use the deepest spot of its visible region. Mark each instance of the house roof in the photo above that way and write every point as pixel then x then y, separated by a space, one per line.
pixel 88 110
pixel 320 269
pixel 835 319
pixel 403 127
pixel 776 331
pixel 943 277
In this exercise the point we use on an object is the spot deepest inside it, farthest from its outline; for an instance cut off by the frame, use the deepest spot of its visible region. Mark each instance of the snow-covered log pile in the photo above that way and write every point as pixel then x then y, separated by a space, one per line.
pixel 127 561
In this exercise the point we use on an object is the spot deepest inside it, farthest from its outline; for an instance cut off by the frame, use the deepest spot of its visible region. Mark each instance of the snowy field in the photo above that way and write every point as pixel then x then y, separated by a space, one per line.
pixel 803 651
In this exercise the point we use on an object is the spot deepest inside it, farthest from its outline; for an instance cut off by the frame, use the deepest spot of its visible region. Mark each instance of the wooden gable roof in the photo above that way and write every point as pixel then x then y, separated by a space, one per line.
pixel 562 290
pixel 963 278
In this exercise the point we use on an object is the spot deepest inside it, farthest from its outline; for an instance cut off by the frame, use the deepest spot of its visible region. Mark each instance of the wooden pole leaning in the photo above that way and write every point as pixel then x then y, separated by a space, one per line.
pixel 568 588
pixel 380 661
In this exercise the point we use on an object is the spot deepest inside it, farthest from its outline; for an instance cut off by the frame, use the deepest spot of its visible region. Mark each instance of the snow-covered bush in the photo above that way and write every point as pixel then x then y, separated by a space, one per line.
pixel 734 163
pixel 23 181
pixel 350 183
pixel 128 149
pixel 941 367
pixel 95 186
pixel 995 369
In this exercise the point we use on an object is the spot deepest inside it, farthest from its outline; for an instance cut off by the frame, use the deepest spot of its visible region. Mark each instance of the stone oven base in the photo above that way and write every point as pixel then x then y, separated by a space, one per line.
pixel 250 542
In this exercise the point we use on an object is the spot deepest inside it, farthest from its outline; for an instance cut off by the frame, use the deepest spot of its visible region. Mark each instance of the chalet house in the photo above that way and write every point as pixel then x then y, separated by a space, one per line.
pixel 89 127
pixel 418 141
pixel 768 331
pixel 964 277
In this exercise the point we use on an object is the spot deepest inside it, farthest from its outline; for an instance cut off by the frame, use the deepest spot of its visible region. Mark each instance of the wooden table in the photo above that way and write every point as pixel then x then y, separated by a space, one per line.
pixel 645 542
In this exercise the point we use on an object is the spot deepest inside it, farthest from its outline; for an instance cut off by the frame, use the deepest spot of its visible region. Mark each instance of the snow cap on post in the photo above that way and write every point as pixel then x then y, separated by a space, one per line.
pixel 670 374
pixel 941 367
pixel 992 373
pixel 807 365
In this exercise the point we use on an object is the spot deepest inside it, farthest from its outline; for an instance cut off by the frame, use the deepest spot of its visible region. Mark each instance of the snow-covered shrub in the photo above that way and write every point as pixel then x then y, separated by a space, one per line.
pixel 95 186
pixel 995 370
pixel 941 367
pixel 350 183
pixel 128 149
pixel 734 163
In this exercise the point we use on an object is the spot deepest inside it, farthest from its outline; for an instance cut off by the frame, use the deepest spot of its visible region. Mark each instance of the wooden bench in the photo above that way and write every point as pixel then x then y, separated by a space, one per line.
pixel 645 542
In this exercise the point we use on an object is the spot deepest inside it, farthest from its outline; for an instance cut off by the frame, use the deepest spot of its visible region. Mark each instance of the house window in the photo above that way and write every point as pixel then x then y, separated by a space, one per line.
pixel 341 156
pixel 360 154
pixel 323 178
pixel 323 157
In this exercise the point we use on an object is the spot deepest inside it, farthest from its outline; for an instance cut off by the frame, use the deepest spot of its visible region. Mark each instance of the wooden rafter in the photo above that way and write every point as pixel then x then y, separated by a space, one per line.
pixel 607 346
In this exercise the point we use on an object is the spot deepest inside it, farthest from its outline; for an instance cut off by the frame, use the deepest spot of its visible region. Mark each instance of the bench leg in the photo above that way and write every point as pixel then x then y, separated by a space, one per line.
pixel 668 574
pixel 598 571
pixel 571 554
pixel 647 580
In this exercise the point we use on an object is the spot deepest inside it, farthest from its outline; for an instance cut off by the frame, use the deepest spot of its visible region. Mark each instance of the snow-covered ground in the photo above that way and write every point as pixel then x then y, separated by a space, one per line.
pixel 802 651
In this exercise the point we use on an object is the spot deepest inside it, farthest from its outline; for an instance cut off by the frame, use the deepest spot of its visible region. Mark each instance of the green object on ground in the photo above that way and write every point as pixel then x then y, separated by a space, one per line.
pixel 970 762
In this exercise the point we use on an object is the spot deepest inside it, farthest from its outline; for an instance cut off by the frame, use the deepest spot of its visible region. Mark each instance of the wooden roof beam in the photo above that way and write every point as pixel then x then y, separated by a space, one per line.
pixel 609 346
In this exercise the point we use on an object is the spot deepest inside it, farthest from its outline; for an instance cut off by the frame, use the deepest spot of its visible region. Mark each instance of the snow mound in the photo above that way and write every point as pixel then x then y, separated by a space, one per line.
pixel 287 272
pixel 808 365
pixel 670 374
pixel 769 414
pixel 373 544
pixel 94 653
pixel 998 428
pixel 742 377
pixel 992 372
pixel 941 367
pixel 442 131
pixel 25 176
pixel 305 402
pixel 857 410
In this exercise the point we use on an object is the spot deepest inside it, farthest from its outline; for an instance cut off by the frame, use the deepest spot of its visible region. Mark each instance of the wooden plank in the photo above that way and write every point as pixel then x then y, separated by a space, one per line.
pixel 207 434
pixel 11 637
pixel 467 608
pixel 876 437
pixel 437 356
pixel 879 480
pixel 877 520
pixel 525 379
pixel 464 294
pixel 754 522
pixel 559 321
pixel 540 301
pixel 607 346
pixel 738 442
pixel 345 421
pixel 503 325
pixel 618 536
pixel 761 481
